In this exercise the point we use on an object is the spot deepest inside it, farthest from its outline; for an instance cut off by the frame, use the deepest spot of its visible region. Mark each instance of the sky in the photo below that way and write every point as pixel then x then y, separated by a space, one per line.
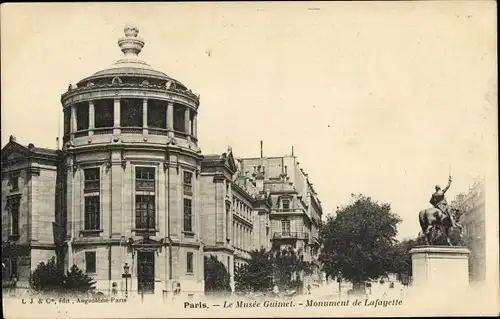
pixel 384 99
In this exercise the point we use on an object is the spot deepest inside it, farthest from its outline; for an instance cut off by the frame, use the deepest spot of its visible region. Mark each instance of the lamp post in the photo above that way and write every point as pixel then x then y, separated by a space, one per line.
pixel 339 280
pixel 126 275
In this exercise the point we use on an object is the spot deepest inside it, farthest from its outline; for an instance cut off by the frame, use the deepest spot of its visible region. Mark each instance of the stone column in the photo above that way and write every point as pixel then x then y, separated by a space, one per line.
pixel 145 116
pixel 116 112
pixel 195 125
pixel 73 121
pixel 170 119
pixel 91 118
pixel 187 124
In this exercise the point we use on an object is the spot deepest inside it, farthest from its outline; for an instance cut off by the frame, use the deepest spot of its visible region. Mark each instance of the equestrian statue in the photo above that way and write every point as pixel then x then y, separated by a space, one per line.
pixel 439 217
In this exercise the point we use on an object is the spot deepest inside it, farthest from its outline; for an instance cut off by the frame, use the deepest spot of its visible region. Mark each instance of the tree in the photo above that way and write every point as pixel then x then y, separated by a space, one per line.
pixel 359 242
pixel 77 281
pixel 289 266
pixel 47 277
pixel 257 273
pixel 264 269
pixel 403 257
pixel 217 278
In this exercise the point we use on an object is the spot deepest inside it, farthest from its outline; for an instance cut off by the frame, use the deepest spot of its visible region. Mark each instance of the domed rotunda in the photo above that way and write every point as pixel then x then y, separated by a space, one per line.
pixel 132 176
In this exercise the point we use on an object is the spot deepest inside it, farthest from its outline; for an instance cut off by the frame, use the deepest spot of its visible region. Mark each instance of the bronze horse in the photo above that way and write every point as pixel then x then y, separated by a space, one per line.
pixel 434 218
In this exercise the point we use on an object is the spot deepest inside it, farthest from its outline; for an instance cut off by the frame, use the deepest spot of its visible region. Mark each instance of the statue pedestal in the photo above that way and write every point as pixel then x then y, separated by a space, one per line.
pixel 440 268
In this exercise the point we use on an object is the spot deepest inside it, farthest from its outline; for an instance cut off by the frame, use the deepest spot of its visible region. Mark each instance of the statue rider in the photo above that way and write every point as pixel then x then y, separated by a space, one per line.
pixel 438 200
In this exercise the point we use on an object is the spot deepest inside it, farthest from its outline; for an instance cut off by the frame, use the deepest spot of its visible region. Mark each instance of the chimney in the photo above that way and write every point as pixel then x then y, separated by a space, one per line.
pixel 261 149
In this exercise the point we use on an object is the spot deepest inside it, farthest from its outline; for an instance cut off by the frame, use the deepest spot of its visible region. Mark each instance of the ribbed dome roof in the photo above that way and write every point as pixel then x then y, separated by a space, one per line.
pixel 130 65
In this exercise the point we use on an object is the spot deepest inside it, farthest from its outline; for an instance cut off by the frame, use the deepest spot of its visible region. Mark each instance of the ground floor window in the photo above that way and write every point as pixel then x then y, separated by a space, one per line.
pixel 189 263
pixel 90 262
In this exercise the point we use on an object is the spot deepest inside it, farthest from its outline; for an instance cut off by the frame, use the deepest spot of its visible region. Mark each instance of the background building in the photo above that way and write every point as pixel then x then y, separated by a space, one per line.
pixel 296 211
pixel 130 186
pixel 473 222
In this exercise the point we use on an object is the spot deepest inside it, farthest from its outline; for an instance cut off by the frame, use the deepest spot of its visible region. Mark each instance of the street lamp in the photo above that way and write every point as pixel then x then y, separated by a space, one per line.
pixel 126 275
pixel 339 280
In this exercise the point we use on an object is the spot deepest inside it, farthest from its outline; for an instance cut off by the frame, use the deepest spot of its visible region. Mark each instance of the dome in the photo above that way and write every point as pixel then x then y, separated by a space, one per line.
pixel 130 65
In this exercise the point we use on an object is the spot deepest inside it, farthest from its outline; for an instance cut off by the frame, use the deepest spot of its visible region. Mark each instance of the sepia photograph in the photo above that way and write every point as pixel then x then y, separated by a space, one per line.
pixel 249 159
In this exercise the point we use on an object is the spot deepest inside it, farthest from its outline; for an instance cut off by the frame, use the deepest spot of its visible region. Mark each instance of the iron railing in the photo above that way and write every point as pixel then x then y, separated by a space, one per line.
pixel 290 235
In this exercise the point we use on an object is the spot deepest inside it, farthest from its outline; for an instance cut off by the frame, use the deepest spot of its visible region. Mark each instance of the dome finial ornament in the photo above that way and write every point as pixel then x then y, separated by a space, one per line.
pixel 131 45
pixel 131 31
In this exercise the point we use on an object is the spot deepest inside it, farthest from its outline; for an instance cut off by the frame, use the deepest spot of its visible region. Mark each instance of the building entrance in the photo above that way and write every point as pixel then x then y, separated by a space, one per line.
pixel 146 272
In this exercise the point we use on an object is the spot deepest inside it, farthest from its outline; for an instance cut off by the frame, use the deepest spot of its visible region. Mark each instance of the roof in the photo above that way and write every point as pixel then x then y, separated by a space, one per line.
pixel 130 64
pixel 26 151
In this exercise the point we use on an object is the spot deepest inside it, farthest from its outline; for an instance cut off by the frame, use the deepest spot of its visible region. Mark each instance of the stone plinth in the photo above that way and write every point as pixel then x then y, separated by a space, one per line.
pixel 444 268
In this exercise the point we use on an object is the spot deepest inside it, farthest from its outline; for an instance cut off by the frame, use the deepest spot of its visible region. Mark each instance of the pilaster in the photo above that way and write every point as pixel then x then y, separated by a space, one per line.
pixel 116 193
pixel 128 201
pixel 219 211
pixel 173 203
pixel 69 198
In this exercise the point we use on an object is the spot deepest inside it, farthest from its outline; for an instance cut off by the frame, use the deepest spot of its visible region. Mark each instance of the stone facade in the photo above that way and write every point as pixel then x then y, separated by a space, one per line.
pixel 472 205
pixel 30 207
pixel 295 215
pixel 130 186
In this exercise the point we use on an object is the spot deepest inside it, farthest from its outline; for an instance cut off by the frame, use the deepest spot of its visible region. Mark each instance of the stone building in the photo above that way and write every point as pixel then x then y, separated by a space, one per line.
pixel 296 212
pixel 130 186
pixel 472 205
pixel 31 207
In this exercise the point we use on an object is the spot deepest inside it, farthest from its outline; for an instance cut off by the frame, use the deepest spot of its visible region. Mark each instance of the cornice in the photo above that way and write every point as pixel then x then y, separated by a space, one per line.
pixel 102 91
pixel 174 150
pixel 243 192
pixel 242 220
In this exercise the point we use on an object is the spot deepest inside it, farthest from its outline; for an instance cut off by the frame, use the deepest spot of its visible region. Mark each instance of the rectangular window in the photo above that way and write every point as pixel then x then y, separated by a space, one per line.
pixel 189 263
pixel 104 113
pixel 131 112
pixel 145 179
pixel 179 119
pixel 285 227
pixel 188 220
pixel 90 261
pixel 157 114
pixel 14 214
pixel 82 116
pixel 92 213
pixel 13 267
pixel 228 215
pixel 187 182
pixel 286 204
pixel 14 182
pixel 145 212
pixel 92 176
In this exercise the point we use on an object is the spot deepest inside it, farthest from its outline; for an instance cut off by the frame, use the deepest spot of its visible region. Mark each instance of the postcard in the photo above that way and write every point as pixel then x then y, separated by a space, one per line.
pixel 249 159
